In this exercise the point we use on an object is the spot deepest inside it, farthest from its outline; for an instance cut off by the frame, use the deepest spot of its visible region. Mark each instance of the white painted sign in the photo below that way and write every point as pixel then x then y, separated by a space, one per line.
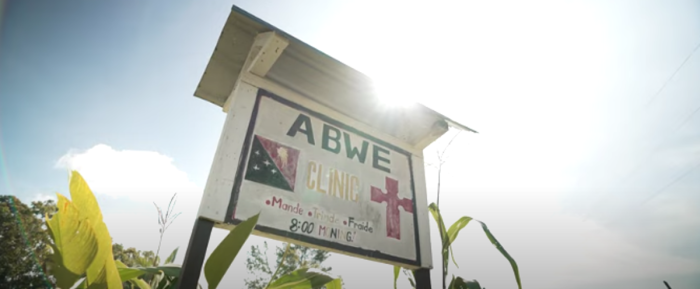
pixel 320 181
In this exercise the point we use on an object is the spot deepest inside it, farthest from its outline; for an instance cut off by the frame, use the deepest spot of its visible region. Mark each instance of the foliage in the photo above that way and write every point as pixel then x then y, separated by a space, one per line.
pixel 24 253
pixel 297 257
pixel 75 243
pixel 134 258
pixel 78 224
pixel 164 221
pixel 450 235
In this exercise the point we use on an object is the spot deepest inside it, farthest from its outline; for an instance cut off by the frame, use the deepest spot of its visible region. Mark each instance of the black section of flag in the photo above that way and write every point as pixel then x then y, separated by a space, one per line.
pixel 262 169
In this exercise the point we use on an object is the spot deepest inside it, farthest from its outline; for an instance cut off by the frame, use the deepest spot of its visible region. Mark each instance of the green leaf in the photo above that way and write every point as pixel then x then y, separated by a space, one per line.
pixel 140 283
pixel 459 283
pixel 413 284
pixel 433 208
pixel 103 270
pixel 126 274
pixel 171 270
pixel 64 277
pixel 453 232
pixel 446 248
pixel 500 248
pixel 75 244
pixel 301 279
pixel 397 269
pixel 172 256
pixel 335 284
pixel 221 258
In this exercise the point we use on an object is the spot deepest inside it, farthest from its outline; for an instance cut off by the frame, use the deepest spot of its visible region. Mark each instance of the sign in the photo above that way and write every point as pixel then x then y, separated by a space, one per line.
pixel 322 182
pixel 306 145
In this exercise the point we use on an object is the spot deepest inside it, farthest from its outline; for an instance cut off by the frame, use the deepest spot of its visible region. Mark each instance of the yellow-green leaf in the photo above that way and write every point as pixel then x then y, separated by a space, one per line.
pixel 302 279
pixel 221 258
pixel 446 248
pixel 126 274
pixel 172 256
pixel 75 244
pixel 83 197
pixel 453 232
pixel 102 273
pixel 140 283
pixel 397 269
pixel 500 248
pixel 335 284
pixel 433 208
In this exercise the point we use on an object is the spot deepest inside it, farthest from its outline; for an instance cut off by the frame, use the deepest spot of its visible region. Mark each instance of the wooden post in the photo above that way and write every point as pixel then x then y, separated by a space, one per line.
pixel 194 257
pixel 423 278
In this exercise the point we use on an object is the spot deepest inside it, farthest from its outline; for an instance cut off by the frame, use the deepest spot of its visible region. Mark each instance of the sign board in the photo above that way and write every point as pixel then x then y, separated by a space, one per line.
pixel 318 180
pixel 306 145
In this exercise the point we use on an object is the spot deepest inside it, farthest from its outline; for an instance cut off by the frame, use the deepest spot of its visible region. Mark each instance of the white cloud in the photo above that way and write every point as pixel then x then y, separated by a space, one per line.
pixel 126 183
pixel 40 197
pixel 143 176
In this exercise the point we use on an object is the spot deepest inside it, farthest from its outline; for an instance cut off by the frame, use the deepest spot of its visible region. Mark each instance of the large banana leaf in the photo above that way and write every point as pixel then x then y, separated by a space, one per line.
pixel 75 244
pixel 303 279
pixel 102 272
pixel 221 258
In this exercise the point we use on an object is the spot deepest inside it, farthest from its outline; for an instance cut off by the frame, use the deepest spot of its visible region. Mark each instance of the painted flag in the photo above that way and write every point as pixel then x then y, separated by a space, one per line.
pixel 272 164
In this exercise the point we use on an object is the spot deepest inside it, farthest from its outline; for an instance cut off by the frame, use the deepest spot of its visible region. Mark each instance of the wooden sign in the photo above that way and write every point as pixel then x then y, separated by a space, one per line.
pixel 306 145
pixel 320 181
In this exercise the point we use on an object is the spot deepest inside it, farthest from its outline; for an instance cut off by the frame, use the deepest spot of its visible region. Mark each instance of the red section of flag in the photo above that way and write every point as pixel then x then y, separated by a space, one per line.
pixel 393 219
pixel 285 158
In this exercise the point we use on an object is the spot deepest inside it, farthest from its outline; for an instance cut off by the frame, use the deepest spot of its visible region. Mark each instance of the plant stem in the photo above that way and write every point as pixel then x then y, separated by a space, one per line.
pixel 284 257
pixel 155 258
pixel 442 235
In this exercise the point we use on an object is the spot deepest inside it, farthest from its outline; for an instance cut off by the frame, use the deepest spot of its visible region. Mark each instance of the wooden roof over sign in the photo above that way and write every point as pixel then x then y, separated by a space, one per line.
pixel 311 73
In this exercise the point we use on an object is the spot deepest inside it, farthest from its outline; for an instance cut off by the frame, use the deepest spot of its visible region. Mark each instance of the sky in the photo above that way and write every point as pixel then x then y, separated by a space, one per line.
pixel 585 166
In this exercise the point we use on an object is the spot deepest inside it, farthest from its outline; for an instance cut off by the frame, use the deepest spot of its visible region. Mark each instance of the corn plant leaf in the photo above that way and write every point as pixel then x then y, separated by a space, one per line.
pixel 221 258
pixel 172 256
pixel 446 248
pixel 301 279
pixel 102 272
pixel 500 248
pixel 452 233
pixel 75 244
pixel 433 208
pixel 397 269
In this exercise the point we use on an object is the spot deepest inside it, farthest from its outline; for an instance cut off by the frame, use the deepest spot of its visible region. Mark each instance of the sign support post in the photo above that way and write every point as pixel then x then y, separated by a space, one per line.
pixel 422 278
pixel 196 251
pixel 308 146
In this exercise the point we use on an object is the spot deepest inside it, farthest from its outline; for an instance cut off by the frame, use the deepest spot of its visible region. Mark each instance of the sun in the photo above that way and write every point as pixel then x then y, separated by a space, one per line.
pixel 392 93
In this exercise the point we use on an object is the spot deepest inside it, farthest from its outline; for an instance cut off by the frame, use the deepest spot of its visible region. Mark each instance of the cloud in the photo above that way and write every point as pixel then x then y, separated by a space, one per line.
pixel 143 176
pixel 127 183
pixel 40 197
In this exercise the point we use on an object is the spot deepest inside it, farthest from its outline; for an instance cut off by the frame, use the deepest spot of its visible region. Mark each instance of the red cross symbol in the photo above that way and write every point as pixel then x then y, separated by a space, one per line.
pixel 393 221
